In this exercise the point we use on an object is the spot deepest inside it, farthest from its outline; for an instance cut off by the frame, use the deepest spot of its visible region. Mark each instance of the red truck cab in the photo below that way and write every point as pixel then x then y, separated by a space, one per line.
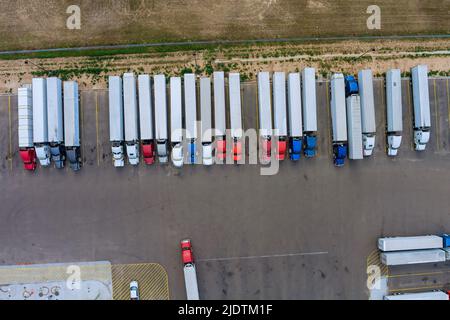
pixel 148 151
pixel 282 147
pixel 266 150
pixel 237 151
pixel 29 159
pixel 221 150
pixel 186 251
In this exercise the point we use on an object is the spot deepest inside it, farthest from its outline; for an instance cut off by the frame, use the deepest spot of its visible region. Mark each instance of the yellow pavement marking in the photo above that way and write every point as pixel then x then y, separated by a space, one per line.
pixel 416 288
pixel 417 274
pixel 436 110
pixel 10 134
pixel 330 136
pixel 97 128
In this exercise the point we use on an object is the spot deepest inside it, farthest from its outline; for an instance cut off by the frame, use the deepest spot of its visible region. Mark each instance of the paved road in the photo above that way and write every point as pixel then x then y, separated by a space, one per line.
pixel 304 233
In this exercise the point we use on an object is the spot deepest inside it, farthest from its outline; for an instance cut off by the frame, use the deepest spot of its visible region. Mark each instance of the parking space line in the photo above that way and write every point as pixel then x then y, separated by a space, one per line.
pixel 402 275
pixel 10 134
pixel 97 128
pixel 436 110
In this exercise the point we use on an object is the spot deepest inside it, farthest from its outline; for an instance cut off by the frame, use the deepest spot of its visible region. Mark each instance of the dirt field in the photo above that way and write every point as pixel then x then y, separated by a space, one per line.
pixel 32 24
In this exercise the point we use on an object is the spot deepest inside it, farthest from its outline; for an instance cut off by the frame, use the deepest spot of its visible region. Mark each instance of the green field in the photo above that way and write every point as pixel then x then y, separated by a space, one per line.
pixel 31 24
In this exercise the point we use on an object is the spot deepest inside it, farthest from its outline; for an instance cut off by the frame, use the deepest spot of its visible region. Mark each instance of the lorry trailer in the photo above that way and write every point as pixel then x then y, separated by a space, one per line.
pixel 309 104
pixel 412 257
pixel 190 272
pixel 410 243
pixel 131 117
pixel 161 132
pixel 25 128
pixel 394 112
pixel 295 116
pixel 265 115
pixel 422 115
pixel 433 295
pixel 116 125
pixel 280 113
pixel 146 119
pixel 369 127
pixel 40 123
pixel 56 121
pixel 190 104
pixel 220 122
pixel 236 115
pixel 339 119
pixel 72 124
pixel 355 140
pixel 205 107
pixel 176 121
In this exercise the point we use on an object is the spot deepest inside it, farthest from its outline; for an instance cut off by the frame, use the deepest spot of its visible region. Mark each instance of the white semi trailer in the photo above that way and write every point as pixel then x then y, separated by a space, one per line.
pixel 72 124
pixel 116 123
pixel 265 115
pixel 412 257
pixel 339 119
pixel 237 131
pixel 369 127
pixel 161 131
pixel 146 118
pixel 176 121
pixel 433 295
pixel 354 126
pixel 280 113
pixel 131 116
pixel 295 118
pixel 410 243
pixel 25 127
pixel 220 118
pixel 206 117
pixel 40 122
pixel 309 104
pixel 422 114
pixel 56 121
pixel 394 111
pixel 190 108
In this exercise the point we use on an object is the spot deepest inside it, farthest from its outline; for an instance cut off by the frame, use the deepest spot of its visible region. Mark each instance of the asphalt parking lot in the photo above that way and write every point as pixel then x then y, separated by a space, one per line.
pixel 304 233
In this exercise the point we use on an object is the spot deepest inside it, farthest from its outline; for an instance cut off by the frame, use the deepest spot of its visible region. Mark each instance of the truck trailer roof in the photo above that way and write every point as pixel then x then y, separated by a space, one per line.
pixel 71 114
pixel 176 110
pixel 410 243
pixel 422 116
pixel 190 103
pixel 434 295
pixel 412 257
pixel 279 103
pixel 205 106
pixel 365 82
pixel 55 111
pixel 25 115
pixel 355 143
pixel 338 109
pixel 309 100
pixel 295 105
pixel 145 107
pixel 131 113
pixel 394 100
pixel 116 109
pixel 220 118
pixel 161 108
pixel 235 105
pixel 265 105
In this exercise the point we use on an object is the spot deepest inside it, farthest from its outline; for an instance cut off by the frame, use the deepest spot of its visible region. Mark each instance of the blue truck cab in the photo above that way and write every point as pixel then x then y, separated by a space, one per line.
pixel 351 86
pixel 446 240
pixel 295 148
pixel 192 152
pixel 310 143
pixel 340 153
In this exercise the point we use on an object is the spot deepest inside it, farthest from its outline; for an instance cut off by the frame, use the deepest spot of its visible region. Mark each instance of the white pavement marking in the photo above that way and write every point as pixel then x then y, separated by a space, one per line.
pixel 265 257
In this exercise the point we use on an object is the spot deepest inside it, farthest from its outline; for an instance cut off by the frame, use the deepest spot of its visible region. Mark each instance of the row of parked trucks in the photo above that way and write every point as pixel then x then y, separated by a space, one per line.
pixel 49 123
pixel 353 113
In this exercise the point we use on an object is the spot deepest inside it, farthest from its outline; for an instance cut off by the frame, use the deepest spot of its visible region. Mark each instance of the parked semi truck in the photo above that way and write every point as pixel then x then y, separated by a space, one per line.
pixel 394 112
pixel 339 119
pixel 309 104
pixel 56 121
pixel 206 116
pixel 176 121
pixel 146 119
pixel 40 122
pixel 410 243
pixel 369 126
pixel 190 104
pixel 116 124
pixel 422 116
pixel 355 138
pixel 280 113
pixel 72 125
pixel 413 257
pixel 25 128
pixel 433 295
pixel 236 114
pixel 131 116
pixel 265 115
pixel 161 131
pixel 295 116
pixel 220 122
pixel 190 272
